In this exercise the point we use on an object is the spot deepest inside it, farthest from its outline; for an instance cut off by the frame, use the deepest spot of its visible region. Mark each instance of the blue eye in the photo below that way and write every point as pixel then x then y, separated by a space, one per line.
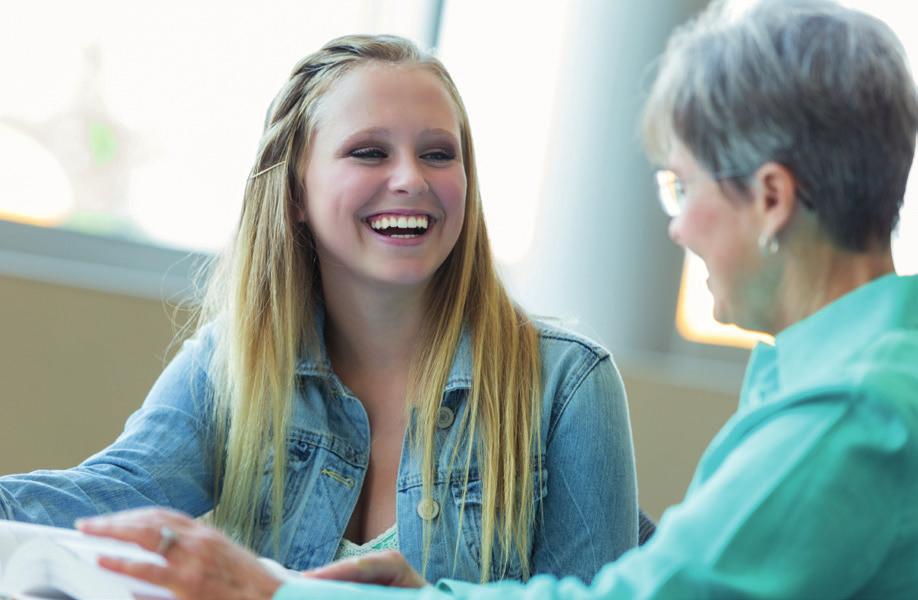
pixel 368 154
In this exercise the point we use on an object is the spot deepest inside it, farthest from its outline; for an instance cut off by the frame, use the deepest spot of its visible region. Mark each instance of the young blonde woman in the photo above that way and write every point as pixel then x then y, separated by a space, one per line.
pixel 360 379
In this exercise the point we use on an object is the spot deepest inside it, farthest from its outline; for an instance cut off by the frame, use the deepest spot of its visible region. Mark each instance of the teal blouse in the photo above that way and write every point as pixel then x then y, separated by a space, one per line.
pixel 809 491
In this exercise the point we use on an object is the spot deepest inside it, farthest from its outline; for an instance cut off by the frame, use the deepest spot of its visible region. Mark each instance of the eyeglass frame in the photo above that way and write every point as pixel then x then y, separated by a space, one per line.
pixel 672 200
pixel 671 194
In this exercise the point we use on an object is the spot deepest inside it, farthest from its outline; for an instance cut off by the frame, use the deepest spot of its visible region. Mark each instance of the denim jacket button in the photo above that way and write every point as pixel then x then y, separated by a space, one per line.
pixel 445 417
pixel 428 509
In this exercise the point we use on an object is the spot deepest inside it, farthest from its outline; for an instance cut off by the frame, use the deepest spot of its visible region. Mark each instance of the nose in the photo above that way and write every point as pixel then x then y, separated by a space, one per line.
pixel 407 178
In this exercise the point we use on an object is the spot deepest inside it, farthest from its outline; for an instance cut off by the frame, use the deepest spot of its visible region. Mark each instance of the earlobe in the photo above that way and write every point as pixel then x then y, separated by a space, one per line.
pixel 775 196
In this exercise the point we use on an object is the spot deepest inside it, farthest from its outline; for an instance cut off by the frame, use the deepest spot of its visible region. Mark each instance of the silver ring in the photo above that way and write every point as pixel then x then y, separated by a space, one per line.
pixel 167 538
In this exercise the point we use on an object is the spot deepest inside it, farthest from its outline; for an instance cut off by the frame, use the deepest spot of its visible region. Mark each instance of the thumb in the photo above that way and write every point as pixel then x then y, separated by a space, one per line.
pixel 388 568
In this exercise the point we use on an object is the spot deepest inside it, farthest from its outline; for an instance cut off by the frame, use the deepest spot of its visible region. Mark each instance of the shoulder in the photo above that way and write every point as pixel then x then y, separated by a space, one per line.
pixel 878 379
pixel 576 369
pixel 867 400
pixel 887 366
pixel 556 341
pixel 884 380
pixel 200 346
pixel 191 368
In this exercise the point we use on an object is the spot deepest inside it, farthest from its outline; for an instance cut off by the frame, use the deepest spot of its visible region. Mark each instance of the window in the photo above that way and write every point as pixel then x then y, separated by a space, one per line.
pixel 140 121
pixel 510 127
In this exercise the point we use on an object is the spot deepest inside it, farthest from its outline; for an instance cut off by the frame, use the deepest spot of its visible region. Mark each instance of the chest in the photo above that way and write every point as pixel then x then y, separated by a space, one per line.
pixel 343 480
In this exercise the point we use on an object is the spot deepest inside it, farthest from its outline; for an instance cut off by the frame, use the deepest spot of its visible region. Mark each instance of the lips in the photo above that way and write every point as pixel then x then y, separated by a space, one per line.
pixel 400 225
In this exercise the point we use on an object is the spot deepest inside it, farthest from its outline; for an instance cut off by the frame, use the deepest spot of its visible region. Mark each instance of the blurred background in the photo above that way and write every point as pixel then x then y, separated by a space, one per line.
pixel 127 131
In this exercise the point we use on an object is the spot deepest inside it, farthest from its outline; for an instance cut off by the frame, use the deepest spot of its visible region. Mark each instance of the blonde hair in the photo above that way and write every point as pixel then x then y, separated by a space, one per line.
pixel 264 291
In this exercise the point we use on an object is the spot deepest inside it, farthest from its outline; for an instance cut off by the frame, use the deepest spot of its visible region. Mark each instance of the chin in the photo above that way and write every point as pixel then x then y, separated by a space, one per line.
pixel 405 277
pixel 721 314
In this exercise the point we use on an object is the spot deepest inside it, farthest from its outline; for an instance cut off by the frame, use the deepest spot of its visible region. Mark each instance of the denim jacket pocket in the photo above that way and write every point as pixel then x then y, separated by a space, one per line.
pixel 470 497
pixel 300 454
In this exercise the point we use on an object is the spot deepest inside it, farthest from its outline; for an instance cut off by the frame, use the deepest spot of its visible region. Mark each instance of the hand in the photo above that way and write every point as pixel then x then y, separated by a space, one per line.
pixel 201 562
pixel 382 568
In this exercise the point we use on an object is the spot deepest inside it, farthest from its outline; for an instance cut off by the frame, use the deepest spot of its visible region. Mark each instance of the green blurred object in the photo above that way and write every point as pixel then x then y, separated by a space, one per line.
pixel 102 144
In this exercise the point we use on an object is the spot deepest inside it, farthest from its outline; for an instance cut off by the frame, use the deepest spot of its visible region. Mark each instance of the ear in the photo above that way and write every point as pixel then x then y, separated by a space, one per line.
pixel 774 197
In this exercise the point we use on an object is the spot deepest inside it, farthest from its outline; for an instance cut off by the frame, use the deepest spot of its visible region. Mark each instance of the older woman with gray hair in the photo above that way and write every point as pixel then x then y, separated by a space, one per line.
pixel 788 134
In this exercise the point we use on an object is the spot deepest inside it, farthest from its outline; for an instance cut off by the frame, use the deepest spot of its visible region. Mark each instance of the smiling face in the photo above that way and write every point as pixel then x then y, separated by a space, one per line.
pixel 723 232
pixel 384 179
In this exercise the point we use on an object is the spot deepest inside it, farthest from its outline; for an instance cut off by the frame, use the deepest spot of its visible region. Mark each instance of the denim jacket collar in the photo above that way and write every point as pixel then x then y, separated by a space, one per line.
pixel 460 374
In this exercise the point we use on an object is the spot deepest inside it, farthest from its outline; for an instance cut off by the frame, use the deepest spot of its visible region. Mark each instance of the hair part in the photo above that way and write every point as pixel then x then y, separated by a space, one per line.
pixel 266 288
pixel 824 90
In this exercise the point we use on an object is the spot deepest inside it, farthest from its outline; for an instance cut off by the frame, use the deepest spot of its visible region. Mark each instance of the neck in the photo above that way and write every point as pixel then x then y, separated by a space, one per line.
pixel 825 275
pixel 372 329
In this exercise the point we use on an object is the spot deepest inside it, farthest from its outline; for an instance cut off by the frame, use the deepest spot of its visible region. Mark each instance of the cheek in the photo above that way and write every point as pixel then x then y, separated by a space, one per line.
pixel 697 229
pixel 336 196
pixel 717 237
pixel 450 188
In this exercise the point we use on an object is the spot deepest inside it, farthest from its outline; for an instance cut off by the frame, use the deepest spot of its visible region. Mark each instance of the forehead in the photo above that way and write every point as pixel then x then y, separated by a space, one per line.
pixel 387 96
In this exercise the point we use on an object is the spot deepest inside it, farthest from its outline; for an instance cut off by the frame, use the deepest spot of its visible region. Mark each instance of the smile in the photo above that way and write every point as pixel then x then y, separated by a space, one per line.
pixel 400 226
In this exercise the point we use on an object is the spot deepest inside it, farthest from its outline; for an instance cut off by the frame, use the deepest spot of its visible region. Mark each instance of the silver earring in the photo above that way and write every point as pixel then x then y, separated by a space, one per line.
pixel 768 244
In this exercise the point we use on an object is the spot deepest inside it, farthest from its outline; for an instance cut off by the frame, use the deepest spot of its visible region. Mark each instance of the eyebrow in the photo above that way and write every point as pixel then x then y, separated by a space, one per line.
pixel 384 132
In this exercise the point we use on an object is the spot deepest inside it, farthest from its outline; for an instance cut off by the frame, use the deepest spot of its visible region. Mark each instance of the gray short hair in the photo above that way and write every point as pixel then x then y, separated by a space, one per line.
pixel 820 88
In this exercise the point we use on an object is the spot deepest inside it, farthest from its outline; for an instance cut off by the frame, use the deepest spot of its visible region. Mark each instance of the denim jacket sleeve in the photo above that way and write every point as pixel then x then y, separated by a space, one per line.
pixel 162 457
pixel 589 515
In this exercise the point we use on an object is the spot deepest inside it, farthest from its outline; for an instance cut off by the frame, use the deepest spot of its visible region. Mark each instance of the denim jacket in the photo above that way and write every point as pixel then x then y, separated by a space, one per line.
pixel 585 498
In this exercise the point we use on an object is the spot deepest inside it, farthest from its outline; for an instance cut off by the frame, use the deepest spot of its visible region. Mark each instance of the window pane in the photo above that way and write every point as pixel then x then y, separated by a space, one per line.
pixel 141 120
pixel 510 109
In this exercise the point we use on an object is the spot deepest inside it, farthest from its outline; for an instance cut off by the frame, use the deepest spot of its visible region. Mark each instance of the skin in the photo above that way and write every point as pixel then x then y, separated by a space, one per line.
pixel 386 141
pixel 764 292
pixel 202 564
pixel 388 568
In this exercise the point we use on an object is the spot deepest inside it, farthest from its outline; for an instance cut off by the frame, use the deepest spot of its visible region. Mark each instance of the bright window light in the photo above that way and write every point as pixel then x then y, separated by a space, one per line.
pixel 141 120
pixel 36 189
pixel 694 312
pixel 510 103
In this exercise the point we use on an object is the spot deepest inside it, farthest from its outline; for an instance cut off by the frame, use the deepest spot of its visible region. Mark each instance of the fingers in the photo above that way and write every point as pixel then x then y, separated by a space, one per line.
pixel 200 562
pixel 388 568
pixel 142 526
pixel 343 570
pixel 148 572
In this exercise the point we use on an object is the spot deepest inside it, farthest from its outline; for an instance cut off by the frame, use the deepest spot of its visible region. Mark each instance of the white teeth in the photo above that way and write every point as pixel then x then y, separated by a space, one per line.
pixel 421 222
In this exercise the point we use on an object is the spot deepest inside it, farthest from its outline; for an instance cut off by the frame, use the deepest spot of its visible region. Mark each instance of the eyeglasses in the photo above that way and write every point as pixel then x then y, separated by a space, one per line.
pixel 671 190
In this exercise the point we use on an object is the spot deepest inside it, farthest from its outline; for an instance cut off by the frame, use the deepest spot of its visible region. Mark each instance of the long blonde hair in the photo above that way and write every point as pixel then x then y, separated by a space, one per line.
pixel 263 293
